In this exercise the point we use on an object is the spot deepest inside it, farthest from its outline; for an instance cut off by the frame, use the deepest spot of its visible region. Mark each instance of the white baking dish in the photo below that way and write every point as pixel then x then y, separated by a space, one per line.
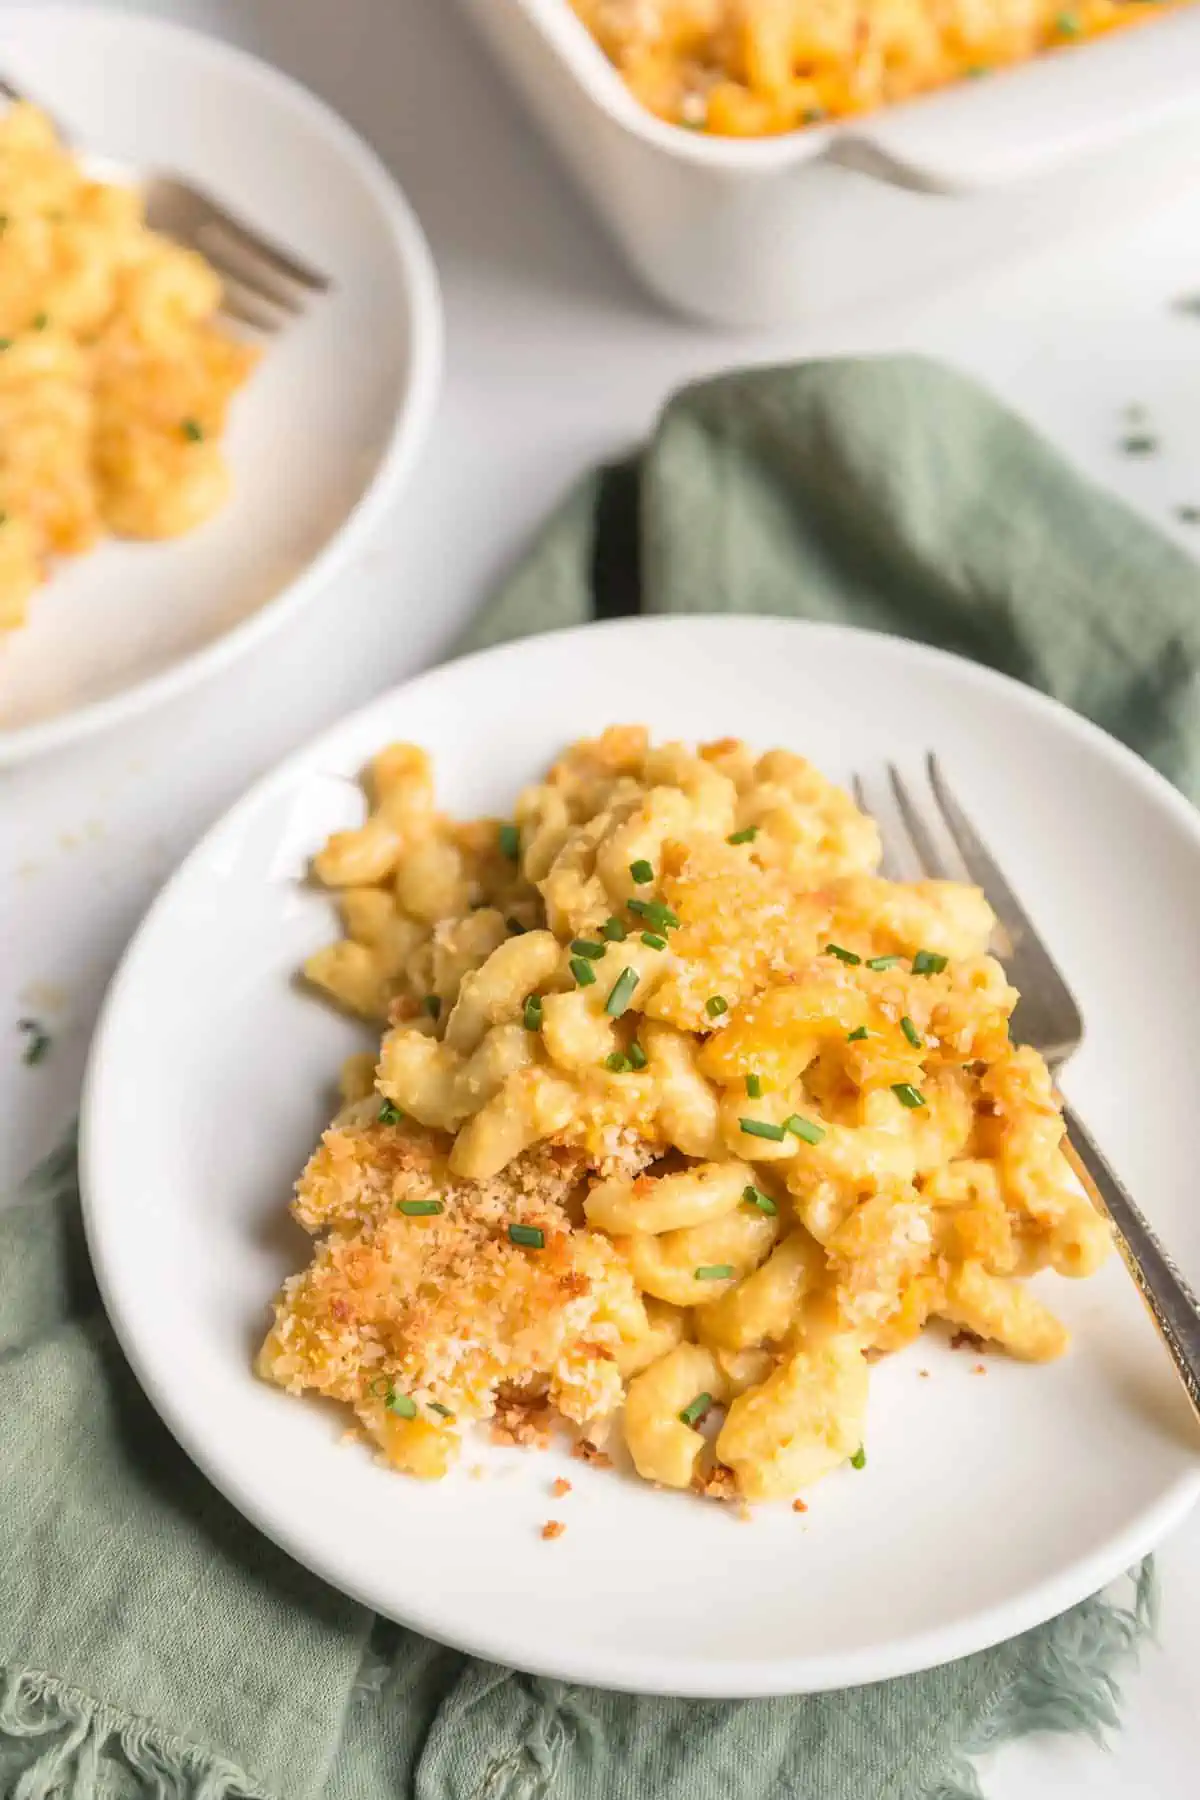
pixel 755 231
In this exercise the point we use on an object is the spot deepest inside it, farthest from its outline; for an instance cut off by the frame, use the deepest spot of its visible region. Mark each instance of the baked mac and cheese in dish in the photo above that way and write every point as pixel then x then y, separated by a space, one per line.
pixel 750 68
pixel 114 382
pixel 681 1116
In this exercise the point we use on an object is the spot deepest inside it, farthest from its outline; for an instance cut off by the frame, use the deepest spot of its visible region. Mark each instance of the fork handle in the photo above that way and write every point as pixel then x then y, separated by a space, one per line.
pixel 1167 1296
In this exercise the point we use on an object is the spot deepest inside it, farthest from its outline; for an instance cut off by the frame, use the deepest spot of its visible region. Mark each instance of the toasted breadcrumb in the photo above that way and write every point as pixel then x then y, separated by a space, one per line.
pixel 560 1487
pixel 966 1340
pixel 553 1528
pixel 717 1483
pixel 586 1452
pixel 979 1369
pixel 799 1506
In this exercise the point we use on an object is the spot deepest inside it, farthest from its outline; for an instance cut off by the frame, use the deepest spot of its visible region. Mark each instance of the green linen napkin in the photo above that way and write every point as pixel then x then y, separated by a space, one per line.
pixel 151 1643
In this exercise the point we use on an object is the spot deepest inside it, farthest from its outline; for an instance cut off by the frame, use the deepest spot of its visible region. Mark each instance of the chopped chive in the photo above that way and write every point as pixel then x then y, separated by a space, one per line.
pixel 583 971
pixel 533 1013
pixel 193 431
pixel 882 962
pixel 516 928
pixel 379 1385
pixel 842 954
pixel 421 1209
pixel 907 1094
pixel 586 947
pixel 764 1129
pixel 531 1236
pixel 807 1129
pixel 714 1272
pixel 856 1037
pixel 1067 24
pixel 41 320
pixel 754 1087
pixel 859 1459
pixel 755 1197
pixel 642 871
pixel 614 930
pixel 1139 443
pixel 509 839
pixel 716 1006
pixel 743 837
pixel 1187 515
pixel 390 1114
pixel 654 913
pixel 928 962
pixel 617 1063
pixel 622 993
pixel 403 1405
pixel 695 1409
pixel 5 343
pixel 652 940
pixel 910 1031
pixel 637 1056
pixel 37 1044
pixel 433 1005
pixel 437 1407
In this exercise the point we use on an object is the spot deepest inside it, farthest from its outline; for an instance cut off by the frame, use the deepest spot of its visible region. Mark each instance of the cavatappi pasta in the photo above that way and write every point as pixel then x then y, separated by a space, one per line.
pixel 750 68
pixel 114 383
pixel 681 1114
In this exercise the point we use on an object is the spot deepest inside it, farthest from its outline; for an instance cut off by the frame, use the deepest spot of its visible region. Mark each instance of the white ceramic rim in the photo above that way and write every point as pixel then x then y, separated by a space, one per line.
pixel 896 139
pixel 408 435
pixel 717 1680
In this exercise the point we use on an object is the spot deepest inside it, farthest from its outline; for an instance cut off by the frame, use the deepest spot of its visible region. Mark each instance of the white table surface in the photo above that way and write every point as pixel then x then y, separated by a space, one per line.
pixel 555 360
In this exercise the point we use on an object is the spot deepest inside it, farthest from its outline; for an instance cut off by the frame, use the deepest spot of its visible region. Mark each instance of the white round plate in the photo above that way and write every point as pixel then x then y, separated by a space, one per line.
pixel 325 431
pixel 988 1502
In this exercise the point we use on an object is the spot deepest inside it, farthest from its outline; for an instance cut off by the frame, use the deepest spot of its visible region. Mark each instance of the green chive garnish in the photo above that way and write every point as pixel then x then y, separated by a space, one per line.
pixel 714 1272
pixel 637 1056
pixel 859 1459
pixel 928 962
pixel 433 1005
pixel 516 927
pixel 437 1407
pixel 622 993
pixel 744 837
pixel 654 913
pixel 614 930
pixel 401 1404
pixel 856 1037
pixel 652 940
pixel 192 430
pixel 910 1031
pixel 533 1013
pixel 583 971
pixel 1067 25
pixel 695 1409
pixel 421 1209
pixel 842 954
pixel 1139 443
pixel 907 1094
pixel 804 1128
pixel 585 947
pixel 764 1129
pixel 37 1041
pixel 754 1087
pixel 5 343
pixel 755 1197
pixel 642 871
pixel 532 1237
pixel 716 1006
pixel 390 1114
pixel 882 962
pixel 509 839
pixel 618 1064
pixel 41 320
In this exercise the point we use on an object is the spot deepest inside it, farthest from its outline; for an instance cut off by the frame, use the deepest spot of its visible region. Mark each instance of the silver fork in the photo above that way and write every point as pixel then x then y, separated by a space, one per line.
pixel 1048 1018
pixel 265 284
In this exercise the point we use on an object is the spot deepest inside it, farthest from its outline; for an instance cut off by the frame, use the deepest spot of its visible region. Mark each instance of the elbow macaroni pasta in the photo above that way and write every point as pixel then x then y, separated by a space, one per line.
pixel 114 384
pixel 680 1110
pixel 751 68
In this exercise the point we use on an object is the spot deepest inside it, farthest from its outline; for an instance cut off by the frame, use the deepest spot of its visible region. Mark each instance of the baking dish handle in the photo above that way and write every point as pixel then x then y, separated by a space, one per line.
pixel 1020 122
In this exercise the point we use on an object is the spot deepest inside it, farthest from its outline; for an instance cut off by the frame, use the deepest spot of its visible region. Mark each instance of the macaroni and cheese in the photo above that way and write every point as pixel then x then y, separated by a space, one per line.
pixel 114 383
pixel 681 1113
pixel 748 68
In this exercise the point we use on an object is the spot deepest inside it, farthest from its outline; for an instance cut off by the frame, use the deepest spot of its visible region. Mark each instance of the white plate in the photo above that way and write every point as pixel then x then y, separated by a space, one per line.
pixel 987 1503
pixel 325 432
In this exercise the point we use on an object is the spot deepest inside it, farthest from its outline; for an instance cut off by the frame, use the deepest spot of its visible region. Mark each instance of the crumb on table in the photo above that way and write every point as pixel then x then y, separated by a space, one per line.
pixel 799 1505
pixel 979 1369
pixel 553 1528
pixel 587 1452
pixel 560 1487
pixel 966 1340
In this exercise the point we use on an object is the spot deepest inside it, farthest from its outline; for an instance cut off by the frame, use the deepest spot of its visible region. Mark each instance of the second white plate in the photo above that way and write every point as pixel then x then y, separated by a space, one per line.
pixel 327 428
pixel 988 1503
